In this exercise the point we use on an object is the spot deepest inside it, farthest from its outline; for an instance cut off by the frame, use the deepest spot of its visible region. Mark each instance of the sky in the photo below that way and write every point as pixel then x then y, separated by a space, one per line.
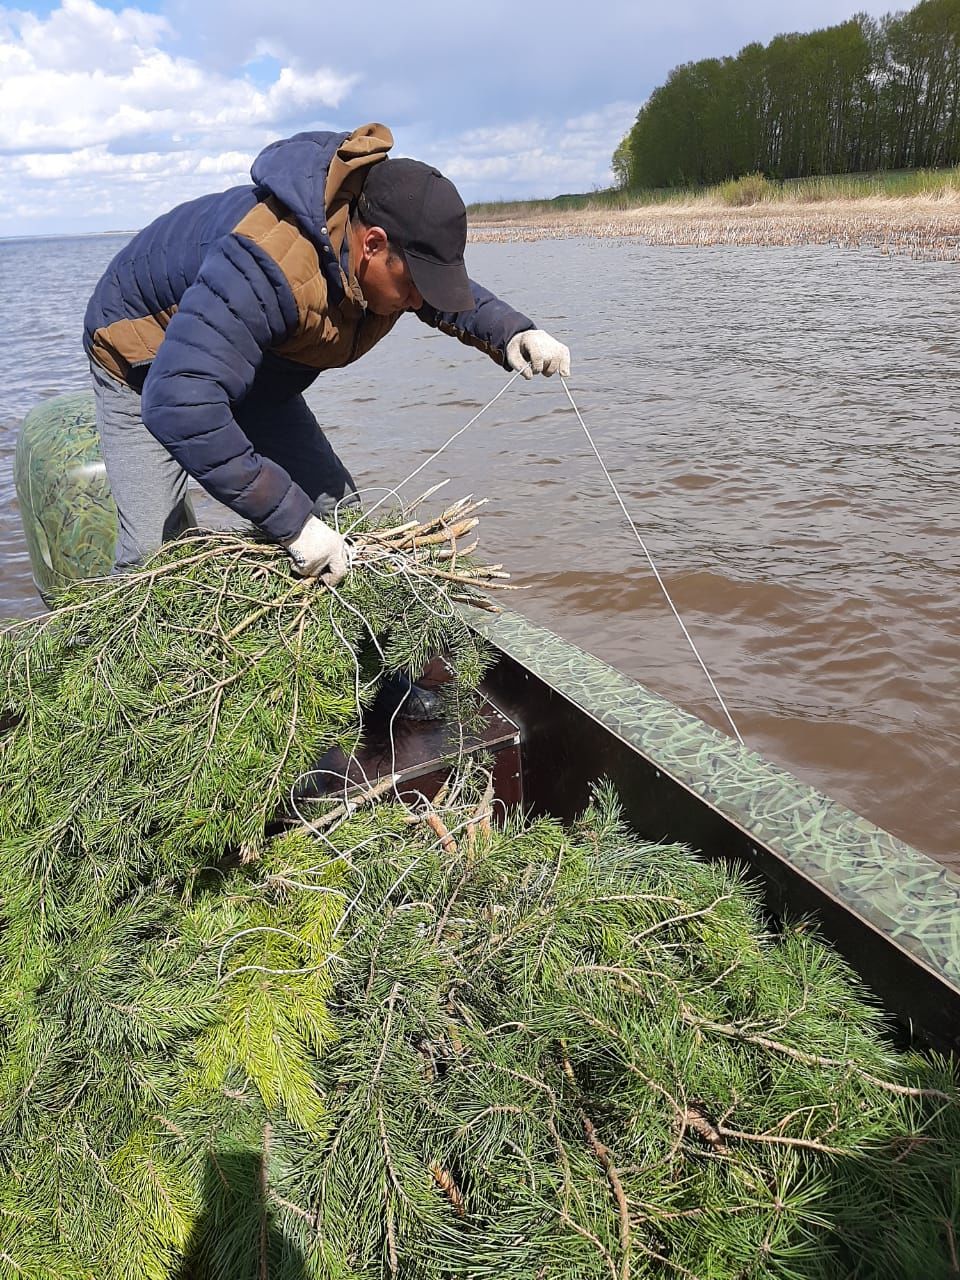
pixel 110 114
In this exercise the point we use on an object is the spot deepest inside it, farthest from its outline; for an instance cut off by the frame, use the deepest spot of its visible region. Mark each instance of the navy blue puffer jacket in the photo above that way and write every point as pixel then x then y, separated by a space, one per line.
pixel 250 292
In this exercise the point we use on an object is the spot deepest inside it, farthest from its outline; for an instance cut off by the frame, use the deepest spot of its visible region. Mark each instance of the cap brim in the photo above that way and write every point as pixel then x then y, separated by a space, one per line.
pixel 444 285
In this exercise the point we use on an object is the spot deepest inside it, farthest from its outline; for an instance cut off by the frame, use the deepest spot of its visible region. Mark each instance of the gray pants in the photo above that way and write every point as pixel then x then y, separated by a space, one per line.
pixel 150 487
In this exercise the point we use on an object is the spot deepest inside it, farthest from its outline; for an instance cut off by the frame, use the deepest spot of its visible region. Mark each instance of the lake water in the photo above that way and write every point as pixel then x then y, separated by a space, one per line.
pixel 782 424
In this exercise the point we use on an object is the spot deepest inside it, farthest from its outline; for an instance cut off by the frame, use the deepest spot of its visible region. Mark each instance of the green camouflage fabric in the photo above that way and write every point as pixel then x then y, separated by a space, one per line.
pixel 69 517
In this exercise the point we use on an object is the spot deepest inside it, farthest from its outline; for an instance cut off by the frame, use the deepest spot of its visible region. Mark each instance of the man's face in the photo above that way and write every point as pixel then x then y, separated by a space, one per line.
pixel 383 276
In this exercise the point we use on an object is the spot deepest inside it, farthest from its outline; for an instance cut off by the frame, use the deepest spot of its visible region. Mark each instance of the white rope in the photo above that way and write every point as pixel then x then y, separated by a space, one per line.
pixel 656 571
pixel 392 492
pixel 506 386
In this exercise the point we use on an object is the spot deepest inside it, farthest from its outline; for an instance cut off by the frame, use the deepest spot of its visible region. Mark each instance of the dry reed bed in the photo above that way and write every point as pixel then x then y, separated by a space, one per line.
pixel 923 228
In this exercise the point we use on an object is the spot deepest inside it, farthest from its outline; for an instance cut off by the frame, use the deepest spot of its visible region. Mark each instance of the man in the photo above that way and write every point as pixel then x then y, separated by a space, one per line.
pixel 207 327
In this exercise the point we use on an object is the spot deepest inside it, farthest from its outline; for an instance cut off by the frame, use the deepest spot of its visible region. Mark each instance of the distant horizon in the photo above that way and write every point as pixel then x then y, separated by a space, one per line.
pixel 73 235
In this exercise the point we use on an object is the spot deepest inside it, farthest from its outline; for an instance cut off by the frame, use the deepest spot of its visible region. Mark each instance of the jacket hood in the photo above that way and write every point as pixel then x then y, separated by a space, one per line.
pixel 317 175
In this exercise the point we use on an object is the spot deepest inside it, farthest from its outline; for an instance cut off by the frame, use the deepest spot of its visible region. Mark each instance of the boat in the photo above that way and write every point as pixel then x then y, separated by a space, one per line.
pixel 556 720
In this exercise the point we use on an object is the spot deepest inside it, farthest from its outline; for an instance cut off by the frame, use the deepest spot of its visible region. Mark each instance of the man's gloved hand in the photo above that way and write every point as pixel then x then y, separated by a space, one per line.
pixel 319 551
pixel 534 351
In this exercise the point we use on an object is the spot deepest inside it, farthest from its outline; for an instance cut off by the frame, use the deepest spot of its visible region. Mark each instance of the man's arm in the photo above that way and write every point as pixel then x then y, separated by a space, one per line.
pixel 507 336
pixel 489 326
pixel 239 305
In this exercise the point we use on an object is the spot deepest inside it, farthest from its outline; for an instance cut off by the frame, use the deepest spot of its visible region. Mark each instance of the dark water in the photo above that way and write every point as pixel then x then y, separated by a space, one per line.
pixel 782 424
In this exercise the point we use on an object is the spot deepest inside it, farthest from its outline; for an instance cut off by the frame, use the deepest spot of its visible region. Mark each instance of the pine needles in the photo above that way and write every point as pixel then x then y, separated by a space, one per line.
pixel 154 726
pixel 162 717
pixel 392 1041
pixel 573 1054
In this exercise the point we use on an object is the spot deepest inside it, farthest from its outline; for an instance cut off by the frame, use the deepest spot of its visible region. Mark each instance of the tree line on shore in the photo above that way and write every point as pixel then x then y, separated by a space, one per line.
pixel 867 94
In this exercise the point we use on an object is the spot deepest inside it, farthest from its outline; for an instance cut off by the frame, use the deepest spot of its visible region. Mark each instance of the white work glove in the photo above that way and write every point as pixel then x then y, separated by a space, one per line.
pixel 319 551
pixel 534 351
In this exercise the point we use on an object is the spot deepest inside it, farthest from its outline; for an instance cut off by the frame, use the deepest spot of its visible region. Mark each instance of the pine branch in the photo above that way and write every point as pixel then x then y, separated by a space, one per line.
pixel 605 1159
pixel 813 1059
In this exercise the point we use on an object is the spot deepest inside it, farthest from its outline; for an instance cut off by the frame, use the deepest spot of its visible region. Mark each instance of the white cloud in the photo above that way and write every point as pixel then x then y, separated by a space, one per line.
pixel 90 163
pixel 65 40
pixel 229 164
pixel 88 77
pixel 536 158
pixel 103 122
pixel 47 191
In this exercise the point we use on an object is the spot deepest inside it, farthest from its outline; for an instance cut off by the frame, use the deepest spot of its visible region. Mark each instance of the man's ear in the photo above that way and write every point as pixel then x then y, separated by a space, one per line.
pixel 374 241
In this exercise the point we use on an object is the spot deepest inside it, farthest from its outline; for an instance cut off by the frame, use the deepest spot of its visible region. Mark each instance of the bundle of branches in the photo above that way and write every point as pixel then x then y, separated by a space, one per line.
pixel 161 717
pixel 390 1041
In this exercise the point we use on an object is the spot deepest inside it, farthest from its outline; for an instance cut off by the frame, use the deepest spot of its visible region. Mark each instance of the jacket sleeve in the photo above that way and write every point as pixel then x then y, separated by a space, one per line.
pixel 489 326
pixel 239 305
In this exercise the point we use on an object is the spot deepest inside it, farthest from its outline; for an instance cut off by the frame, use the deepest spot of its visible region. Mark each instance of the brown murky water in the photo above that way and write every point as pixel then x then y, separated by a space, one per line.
pixel 782 424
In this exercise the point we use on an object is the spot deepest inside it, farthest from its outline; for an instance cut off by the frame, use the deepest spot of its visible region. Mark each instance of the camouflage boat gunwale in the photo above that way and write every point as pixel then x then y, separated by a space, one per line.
pixel 886 906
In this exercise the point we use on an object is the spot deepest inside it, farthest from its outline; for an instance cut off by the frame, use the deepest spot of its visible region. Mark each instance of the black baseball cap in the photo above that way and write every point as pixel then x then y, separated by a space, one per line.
pixel 423 215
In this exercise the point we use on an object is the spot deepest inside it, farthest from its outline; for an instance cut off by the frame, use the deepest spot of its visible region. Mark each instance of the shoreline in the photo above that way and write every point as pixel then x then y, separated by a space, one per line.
pixel 926 228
